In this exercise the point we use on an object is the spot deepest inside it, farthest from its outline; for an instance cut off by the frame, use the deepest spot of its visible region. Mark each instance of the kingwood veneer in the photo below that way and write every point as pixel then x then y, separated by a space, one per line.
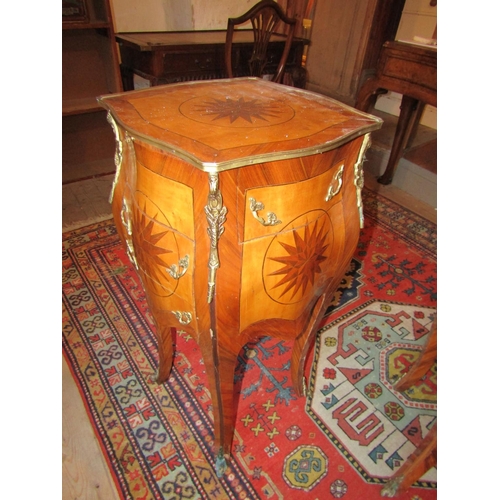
pixel 239 202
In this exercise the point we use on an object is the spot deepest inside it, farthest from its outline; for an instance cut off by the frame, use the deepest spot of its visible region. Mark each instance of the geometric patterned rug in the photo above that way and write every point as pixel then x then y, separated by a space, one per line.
pixel 344 440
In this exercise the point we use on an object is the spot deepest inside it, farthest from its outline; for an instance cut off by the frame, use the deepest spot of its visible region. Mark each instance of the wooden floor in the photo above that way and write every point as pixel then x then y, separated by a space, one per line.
pixel 402 198
pixel 85 474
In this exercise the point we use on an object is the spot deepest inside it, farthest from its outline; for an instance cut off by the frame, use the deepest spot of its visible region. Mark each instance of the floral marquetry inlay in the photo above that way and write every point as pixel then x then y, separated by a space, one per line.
pixel 294 258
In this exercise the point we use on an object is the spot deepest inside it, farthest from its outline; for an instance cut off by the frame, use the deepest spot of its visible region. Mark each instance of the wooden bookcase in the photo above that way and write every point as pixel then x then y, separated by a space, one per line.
pixel 90 68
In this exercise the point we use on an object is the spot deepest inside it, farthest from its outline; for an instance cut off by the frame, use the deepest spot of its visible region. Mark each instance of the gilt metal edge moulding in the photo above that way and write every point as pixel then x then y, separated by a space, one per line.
pixel 374 123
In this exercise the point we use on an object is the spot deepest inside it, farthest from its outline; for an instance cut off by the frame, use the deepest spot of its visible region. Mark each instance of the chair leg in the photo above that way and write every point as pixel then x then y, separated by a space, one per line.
pixel 127 78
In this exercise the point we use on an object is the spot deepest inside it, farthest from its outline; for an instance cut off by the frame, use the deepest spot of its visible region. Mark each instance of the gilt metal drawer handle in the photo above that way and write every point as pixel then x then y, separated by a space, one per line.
pixel 183 317
pixel 272 219
pixel 336 184
pixel 180 271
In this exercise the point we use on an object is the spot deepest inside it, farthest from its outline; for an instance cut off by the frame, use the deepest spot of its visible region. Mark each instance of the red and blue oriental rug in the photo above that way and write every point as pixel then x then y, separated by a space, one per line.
pixel 344 440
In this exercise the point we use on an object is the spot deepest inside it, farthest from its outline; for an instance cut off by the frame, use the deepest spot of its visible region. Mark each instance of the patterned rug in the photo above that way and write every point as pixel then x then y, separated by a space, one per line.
pixel 344 440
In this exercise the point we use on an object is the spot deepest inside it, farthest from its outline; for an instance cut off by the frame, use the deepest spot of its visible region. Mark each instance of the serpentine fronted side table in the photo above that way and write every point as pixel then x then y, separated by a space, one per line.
pixel 239 203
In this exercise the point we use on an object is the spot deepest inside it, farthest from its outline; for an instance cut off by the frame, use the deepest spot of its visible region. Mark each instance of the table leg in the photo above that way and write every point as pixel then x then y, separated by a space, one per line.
pixel 425 456
pixel 423 364
pixel 220 362
pixel 418 463
pixel 367 96
pixel 414 129
pixel 165 351
pixel 409 107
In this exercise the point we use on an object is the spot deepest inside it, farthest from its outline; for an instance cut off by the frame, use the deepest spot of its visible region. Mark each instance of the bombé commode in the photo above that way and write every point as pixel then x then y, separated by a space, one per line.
pixel 239 203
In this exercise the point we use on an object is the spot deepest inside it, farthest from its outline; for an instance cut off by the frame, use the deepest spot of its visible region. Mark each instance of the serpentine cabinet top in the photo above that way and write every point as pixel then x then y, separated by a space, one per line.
pixel 217 125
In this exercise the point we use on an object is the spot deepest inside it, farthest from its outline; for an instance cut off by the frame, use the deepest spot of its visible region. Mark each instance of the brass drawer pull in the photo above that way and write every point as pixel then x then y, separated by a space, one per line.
pixel 336 184
pixel 183 317
pixel 255 206
pixel 179 272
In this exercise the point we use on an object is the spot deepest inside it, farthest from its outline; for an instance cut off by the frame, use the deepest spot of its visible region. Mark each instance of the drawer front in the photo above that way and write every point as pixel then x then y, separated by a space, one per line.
pixel 168 202
pixel 411 71
pixel 163 255
pixel 164 259
pixel 282 273
pixel 270 209
pixel 192 62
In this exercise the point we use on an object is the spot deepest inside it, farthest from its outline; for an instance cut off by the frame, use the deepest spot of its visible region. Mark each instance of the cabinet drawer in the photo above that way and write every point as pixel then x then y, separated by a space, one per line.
pixel 270 209
pixel 201 60
pixel 168 202
pixel 164 257
pixel 411 71
pixel 282 273
pixel 183 311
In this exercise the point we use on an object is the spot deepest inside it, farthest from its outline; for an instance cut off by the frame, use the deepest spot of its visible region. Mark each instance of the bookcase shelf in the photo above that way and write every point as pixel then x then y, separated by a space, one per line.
pixel 90 68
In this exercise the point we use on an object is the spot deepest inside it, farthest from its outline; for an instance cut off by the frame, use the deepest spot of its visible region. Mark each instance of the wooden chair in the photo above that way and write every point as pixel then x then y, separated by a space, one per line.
pixel 264 16
pixel 425 456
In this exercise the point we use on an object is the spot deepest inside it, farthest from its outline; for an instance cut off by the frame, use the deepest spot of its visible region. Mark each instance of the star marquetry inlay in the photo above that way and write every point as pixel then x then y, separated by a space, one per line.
pixel 303 260
pixel 147 247
pixel 239 108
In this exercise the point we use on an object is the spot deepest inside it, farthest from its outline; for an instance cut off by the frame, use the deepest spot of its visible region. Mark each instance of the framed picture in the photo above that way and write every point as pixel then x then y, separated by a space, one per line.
pixel 74 11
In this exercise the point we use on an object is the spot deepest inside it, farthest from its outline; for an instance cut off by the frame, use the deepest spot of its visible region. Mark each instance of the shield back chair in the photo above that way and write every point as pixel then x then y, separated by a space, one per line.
pixel 265 17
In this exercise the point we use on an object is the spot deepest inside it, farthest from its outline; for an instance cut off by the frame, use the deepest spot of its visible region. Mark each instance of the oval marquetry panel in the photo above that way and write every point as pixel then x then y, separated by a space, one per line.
pixel 295 260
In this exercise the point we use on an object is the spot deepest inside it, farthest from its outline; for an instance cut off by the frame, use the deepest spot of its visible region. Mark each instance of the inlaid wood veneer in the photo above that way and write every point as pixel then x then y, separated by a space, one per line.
pixel 239 203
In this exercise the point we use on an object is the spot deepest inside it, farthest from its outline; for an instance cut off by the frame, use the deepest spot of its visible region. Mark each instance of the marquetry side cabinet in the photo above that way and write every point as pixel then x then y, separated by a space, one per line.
pixel 239 203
